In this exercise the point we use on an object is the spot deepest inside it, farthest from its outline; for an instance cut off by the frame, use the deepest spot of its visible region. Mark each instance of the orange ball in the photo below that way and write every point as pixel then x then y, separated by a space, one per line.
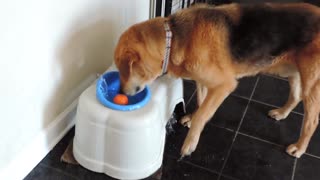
pixel 121 99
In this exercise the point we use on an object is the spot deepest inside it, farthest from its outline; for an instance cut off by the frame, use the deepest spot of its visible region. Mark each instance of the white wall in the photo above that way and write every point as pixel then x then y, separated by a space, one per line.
pixel 47 47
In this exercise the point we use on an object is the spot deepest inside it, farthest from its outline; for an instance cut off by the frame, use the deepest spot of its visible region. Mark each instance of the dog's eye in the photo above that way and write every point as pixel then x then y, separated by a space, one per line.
pixel 137 88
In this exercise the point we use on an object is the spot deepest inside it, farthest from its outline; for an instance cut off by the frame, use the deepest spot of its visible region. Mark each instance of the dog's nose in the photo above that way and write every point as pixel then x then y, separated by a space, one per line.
pixel 121 91
pixel 137 88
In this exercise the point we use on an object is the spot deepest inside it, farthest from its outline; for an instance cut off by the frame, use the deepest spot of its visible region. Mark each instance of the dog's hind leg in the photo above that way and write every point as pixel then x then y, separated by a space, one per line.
pixel 201 94
pixel 311 102
pixel 308 63
pixel 309 67
pixel 293 99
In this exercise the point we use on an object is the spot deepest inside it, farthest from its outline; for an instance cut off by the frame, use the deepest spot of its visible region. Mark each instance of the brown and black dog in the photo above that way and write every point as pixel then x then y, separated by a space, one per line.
pixel 215 46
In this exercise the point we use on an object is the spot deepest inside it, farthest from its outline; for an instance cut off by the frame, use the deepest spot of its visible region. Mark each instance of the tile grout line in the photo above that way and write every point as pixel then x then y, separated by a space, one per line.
pixel 250 136
pixel 247 135
pixel 296 159
pixel 229 177
pixel 221 127
pixel 189 100
pixel 274 76
pixel 195 165
pixel 294 168
pixel 201 167
pixel 238 128
pixel 311 155
pixel 259 139
pixel 266 104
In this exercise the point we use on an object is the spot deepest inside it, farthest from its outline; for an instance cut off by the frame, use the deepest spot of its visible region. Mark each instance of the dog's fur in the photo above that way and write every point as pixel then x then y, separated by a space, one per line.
pixel 215 46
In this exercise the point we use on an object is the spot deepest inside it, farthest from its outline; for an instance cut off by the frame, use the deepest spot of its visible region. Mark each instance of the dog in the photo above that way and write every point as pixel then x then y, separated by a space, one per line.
pixel 217 45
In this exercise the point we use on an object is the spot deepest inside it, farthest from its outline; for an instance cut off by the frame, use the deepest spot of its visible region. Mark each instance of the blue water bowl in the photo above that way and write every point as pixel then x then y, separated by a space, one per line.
pixel 108 86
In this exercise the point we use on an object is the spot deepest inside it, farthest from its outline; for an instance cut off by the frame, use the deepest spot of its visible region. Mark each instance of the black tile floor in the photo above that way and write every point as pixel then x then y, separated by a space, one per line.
pixel 240 142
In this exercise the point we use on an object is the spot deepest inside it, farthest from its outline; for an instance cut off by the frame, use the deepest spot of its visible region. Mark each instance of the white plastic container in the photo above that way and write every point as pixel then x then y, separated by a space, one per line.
pixel 125 144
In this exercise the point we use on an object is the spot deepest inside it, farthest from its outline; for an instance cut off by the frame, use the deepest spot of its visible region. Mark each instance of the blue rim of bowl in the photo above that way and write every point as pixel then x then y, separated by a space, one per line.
pixel 118 107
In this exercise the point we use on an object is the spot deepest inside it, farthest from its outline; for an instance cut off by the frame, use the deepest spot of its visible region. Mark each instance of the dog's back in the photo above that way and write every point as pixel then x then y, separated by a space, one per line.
pixel 266 31
pixel 257 33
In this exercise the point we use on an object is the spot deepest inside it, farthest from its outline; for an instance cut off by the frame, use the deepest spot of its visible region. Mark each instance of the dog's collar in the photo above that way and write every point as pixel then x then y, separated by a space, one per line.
pixel 167 49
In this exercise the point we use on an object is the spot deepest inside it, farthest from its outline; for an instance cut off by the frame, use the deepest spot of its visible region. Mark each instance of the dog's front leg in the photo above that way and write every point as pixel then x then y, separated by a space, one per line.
pixel 215 96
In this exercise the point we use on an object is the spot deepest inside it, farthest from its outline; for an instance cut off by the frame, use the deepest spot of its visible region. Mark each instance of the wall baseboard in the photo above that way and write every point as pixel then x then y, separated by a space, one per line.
pixel 47 138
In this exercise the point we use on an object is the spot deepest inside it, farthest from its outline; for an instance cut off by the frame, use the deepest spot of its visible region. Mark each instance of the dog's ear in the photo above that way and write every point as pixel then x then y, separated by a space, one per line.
pixel 127 60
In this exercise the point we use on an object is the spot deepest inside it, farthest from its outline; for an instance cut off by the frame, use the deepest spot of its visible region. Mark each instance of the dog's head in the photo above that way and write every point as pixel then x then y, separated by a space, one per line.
pixel 137 58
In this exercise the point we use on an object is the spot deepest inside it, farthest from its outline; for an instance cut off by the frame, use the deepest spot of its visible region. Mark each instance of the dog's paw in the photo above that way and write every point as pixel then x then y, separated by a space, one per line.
pixel 189 145
pixel 296 150
pixel 186 120
pixel 278 114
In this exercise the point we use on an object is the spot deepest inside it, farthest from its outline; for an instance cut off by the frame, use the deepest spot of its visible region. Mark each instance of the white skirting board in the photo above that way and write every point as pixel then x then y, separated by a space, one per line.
pixel 42 144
